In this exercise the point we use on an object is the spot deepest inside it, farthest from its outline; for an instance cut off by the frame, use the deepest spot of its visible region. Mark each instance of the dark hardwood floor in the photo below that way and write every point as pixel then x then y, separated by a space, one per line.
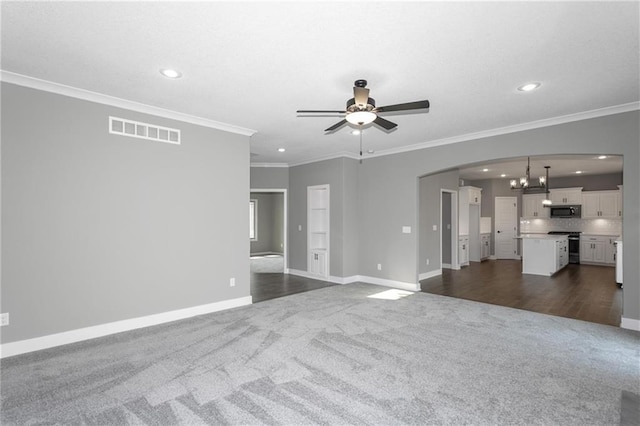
pixel 266 286
pixel 584 292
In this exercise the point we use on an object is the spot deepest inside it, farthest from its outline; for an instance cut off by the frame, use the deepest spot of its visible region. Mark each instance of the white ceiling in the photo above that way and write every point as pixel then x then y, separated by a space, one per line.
pixel 253 64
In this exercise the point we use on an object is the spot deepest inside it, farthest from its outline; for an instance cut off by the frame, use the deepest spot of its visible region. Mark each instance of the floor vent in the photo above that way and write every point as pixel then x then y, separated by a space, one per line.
pixel 135 129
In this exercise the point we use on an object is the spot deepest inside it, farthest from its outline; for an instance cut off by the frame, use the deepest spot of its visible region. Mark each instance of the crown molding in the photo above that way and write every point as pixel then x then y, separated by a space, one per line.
pixel 87 95
pixel 585 115
pixel 267 165
pixel 342 154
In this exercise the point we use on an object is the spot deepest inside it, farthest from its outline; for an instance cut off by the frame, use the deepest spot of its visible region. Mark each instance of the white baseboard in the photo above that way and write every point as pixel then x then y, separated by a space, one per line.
pixel 630 324
pixel 305 274
pixel 78 335
pixel 266 253
pixel 446 266
pixel 430 274
pixel 492 257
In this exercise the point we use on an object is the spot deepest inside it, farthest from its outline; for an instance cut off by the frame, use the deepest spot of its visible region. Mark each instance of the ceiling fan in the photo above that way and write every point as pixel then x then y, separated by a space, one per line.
pixel 361 109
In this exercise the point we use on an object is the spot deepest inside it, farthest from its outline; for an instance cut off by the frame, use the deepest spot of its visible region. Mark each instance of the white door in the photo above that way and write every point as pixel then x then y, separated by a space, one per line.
pixel 506 218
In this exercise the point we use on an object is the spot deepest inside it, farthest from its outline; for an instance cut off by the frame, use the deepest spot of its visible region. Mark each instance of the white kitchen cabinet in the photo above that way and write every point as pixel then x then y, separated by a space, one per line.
pixel 597 249
pixel 469 199
pixel 485 246
pixel 463 250
pixel 566 196
pixel 475 194
pixel 610 250
pixel 532 207
pixel 318 230
pixel 601 205
pixel 544 255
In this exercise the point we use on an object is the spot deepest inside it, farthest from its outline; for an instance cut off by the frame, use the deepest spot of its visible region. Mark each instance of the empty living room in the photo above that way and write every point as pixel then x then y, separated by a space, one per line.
pixel 139 141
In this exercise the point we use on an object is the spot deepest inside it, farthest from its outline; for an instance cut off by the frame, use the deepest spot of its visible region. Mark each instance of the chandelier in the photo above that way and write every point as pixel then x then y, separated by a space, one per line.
pixel 524 183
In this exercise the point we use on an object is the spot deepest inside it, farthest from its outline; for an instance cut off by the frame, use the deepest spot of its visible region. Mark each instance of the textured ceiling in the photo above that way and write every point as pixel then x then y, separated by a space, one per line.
pixel 253 64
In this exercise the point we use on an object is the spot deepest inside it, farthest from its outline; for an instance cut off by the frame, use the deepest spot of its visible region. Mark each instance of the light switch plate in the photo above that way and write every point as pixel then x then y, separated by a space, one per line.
pixel 435 227
pixel 406 229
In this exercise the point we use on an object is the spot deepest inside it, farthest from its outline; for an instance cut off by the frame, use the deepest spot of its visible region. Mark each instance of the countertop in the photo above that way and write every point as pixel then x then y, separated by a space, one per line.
pixel 541 237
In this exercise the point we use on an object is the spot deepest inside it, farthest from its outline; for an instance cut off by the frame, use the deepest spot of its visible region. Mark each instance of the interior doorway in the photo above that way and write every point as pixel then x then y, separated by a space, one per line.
pixel 268 231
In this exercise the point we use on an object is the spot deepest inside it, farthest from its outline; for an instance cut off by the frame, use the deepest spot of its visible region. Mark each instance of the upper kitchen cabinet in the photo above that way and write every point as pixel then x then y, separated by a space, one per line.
pixel 532 207
pixel 601 205
pixel 566 196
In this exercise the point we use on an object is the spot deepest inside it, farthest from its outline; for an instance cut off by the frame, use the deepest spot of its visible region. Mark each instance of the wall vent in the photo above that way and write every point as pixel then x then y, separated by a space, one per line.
pixel 136 129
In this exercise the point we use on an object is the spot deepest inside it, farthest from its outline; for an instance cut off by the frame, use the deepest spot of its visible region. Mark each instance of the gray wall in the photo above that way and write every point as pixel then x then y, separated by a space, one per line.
pixel 270 222
pixel 99 228
pixel 430 210
pixel 341 175
pixel 388 191
pixel 269 177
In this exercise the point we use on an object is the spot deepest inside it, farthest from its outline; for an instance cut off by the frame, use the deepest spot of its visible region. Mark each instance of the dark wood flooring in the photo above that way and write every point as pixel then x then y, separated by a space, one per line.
pixel 584 292
pixel 266 286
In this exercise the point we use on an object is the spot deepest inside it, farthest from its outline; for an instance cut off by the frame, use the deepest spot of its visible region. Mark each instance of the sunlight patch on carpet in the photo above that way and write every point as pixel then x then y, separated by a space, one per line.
pixel 393 294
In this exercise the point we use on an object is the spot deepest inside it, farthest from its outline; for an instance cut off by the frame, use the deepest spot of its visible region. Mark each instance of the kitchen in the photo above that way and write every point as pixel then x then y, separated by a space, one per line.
pixel 560 246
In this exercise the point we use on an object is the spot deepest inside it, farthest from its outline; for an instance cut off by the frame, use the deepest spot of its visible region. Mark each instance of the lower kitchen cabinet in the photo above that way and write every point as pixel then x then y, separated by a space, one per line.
pixel 597 249
pixel 463 250
pixel 485 246
pixel 544 255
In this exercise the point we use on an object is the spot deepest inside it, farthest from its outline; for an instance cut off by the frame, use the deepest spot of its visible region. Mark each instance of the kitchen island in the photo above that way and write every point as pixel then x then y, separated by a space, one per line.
pixel 544 254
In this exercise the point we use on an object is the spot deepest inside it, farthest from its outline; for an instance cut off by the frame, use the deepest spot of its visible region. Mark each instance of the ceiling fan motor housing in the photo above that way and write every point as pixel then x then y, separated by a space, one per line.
pixel 352 106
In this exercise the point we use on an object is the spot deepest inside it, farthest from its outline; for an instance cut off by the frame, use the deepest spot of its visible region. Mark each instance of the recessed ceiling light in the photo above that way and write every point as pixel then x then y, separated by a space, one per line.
pixel 503 175
pixel 281 150
pixel 355 132
pixel 602 157
pixel 170 73
pixel 578 172
pixel 529 87
pixel 485 170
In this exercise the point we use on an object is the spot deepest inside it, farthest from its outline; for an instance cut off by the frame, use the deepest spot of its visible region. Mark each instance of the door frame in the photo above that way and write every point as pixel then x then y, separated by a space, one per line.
pixel 285 225
pixel 454 228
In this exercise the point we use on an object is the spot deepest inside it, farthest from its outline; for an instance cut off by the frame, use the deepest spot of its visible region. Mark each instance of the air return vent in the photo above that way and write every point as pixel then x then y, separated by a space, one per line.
pixel 135 129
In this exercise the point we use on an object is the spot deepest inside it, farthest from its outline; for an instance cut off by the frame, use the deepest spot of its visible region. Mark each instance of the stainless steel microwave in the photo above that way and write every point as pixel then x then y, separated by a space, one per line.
pixel 565 211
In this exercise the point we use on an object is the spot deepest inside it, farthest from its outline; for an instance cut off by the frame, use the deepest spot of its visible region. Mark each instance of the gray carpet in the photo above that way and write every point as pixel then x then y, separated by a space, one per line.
pixel 272 263
pixel 335 356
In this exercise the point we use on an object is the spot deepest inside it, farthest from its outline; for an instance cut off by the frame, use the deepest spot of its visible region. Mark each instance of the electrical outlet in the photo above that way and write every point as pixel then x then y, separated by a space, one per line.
pixel 435 227
pixel 232 282
pixel 299 227
pixel 379 266
pixel 427 261
pixel 4 319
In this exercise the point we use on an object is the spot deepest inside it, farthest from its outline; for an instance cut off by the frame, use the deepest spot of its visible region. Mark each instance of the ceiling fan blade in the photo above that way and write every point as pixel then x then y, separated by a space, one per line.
pixel 386 124
pixel 404 107
pixel 361 95
pixel 336 126
pixel 314 111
